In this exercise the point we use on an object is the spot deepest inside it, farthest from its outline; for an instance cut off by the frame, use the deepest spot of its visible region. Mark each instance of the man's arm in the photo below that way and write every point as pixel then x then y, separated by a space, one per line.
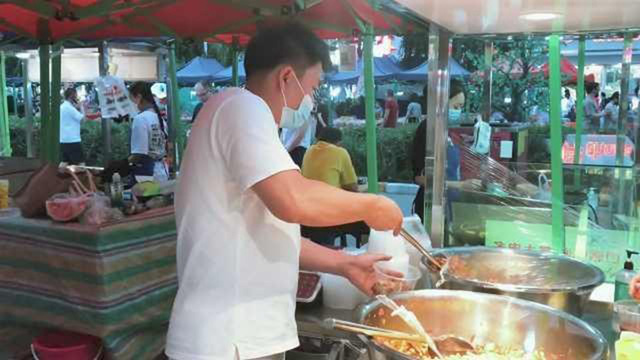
pixel 358 269
pixel 295 199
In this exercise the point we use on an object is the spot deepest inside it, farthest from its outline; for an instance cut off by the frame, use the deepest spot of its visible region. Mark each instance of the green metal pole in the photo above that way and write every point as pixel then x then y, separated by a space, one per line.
pixel 579 109
pixel 28 109
pixel 624 99
pixel 54 124
pixel 5 138
pixel 625 203
pixel 234 66
pixel 557 204
pixel 175 105
pixel 45 102
pixel 369 91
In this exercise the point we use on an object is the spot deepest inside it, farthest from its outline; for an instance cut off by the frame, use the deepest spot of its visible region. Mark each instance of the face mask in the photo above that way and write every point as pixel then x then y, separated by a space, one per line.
pixel 454 115
pixel 295 118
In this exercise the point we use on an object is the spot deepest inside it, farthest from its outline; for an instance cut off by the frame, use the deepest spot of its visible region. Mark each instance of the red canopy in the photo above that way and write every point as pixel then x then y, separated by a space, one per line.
pixel 568 69
pixel 217 20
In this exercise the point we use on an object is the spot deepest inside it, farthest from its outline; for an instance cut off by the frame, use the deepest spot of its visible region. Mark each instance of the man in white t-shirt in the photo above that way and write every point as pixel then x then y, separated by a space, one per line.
pixel 239 201
pixel 70 122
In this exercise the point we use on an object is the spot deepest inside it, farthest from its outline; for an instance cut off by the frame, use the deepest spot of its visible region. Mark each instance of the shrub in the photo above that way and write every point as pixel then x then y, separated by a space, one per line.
pixel 393 149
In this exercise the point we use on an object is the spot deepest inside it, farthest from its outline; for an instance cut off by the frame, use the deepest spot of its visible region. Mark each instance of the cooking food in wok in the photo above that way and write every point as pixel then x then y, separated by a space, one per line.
pixel 499 327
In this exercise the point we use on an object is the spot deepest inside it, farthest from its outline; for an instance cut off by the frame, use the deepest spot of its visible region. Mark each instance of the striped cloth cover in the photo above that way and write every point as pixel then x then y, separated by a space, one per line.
pixel 115 281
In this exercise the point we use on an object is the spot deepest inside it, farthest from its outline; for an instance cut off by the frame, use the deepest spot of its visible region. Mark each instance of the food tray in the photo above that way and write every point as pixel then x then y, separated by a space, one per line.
pixel 308 286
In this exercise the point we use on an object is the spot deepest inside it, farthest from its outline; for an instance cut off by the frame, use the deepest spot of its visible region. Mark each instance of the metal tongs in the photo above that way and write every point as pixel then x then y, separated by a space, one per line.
pixel 413 241
pixel 370 330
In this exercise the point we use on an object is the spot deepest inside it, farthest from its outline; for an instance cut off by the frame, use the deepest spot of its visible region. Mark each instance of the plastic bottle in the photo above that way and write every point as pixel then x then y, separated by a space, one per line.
pixel 116 190
pixel 623 278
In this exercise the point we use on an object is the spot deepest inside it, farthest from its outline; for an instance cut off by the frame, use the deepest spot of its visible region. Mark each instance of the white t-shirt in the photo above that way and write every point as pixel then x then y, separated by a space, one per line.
pixel 147 137
pixel 70 120
pixel 237 263
pixel 414 110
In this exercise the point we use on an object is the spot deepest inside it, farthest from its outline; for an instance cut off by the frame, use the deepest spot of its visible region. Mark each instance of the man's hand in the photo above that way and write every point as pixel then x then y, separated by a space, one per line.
pixel 384 215
pixel 359 270
pixel 634 288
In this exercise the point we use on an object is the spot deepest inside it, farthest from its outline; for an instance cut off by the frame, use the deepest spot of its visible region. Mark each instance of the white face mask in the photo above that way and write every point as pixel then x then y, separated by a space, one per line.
pixel 295 118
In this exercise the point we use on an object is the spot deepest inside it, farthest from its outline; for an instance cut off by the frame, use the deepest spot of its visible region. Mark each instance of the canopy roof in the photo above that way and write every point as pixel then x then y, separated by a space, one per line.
pixel 419 73
pixel 383 68
pixel 225 74
pixel 218 20
pixel 199 68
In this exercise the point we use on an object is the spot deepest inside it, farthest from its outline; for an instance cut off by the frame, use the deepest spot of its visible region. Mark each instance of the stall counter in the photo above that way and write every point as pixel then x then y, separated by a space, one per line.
pixel 116 281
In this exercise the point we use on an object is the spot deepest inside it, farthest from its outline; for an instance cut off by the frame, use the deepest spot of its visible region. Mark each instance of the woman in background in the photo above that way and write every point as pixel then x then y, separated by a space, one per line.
pixel 148 136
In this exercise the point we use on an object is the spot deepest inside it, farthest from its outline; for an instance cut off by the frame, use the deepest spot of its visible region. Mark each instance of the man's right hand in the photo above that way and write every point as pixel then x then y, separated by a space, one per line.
pixel 384 215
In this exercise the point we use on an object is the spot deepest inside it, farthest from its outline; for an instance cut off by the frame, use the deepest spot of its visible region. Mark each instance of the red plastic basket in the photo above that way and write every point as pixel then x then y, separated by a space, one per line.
pixel 64 345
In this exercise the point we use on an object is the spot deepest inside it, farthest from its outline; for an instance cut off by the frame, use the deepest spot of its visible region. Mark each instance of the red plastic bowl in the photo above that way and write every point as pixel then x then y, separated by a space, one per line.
pixel 64 345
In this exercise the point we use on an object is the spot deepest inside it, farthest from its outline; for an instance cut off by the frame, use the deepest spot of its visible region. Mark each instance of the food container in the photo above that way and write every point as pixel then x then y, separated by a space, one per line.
pixel 488 319
pixel 626 316
pixel 308 286
pixel 339 293
pixel 389 284
pixel 555 280
pixel 384 242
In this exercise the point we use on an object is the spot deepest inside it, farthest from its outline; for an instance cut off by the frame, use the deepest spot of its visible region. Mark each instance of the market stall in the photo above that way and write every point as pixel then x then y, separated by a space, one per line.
pixel 115 281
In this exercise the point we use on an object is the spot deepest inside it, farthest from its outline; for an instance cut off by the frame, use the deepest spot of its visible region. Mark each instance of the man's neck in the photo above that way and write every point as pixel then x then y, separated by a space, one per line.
pixel 258 87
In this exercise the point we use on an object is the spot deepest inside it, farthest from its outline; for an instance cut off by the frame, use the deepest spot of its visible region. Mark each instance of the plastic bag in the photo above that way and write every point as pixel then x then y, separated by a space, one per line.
pixel 98 211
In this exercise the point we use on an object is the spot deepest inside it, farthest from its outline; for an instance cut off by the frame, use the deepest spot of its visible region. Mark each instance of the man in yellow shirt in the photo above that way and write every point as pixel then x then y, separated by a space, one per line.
pixel 326 161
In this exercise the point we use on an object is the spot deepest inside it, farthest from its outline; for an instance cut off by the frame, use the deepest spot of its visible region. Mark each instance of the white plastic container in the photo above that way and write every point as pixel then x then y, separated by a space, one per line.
pixel 339 293
pixel 384 242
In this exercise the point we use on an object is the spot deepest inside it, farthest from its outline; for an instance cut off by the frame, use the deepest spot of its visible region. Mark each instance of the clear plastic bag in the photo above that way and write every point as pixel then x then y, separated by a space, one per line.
pixel 98 211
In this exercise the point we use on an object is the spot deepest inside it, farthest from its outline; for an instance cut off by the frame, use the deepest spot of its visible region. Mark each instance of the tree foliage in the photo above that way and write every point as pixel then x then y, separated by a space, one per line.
pixel 518 84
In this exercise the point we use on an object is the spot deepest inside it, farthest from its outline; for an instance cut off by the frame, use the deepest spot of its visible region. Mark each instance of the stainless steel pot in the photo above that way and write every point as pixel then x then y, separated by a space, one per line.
pixel 501 320
pixel 555 280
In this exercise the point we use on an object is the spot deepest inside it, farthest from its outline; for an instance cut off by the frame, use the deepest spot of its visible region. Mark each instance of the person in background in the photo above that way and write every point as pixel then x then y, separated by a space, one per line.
pixel 390 110
pixel 298 140
pixel 330 163
pixel 71 119
pixel 567 104
pixel 418 153
pixel 148 136
pixel 414 110
pixel 203 91
pixel 592 113
pixel 611 112
pixel 359 109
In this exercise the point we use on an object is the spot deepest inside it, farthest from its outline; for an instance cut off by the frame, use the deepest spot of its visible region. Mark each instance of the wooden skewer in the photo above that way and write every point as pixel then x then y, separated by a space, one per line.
pixel 84 189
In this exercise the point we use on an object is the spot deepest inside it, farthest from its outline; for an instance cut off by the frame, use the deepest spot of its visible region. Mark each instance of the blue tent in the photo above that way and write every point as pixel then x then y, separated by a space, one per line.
pixel 225 74
pixel 383 69
pixel 419 72
pixel 199 68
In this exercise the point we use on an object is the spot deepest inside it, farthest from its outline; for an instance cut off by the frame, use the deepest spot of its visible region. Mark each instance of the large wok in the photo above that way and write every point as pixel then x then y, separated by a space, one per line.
pixel 501 320
pixel 555 280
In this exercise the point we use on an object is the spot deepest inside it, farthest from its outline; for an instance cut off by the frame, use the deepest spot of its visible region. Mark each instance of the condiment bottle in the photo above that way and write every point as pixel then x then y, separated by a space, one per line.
pixel 116 190
pixel 623 278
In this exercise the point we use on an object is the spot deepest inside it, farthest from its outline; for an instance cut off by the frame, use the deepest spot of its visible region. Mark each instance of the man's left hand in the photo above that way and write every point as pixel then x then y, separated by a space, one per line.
pixel 359 270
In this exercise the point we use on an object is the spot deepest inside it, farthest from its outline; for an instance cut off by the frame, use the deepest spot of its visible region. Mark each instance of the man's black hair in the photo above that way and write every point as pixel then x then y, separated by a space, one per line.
pixel 70 93
pixel 591 86
pixel 330 135
pixel 206 84
pixel 455 88
pixel 390 92
pixel 288 43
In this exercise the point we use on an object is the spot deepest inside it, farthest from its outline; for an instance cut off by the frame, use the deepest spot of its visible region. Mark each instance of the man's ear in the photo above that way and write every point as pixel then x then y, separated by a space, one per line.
pixel 285 74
